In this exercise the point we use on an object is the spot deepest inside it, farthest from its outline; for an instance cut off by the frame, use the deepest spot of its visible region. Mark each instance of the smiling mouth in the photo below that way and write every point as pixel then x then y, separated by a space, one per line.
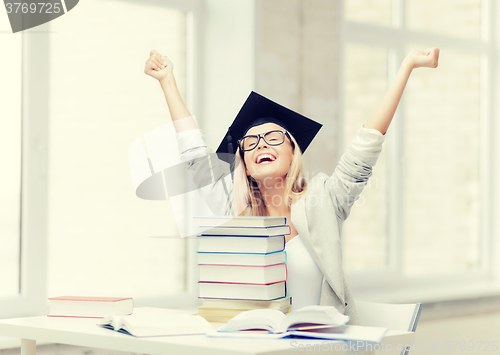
pixel 265 158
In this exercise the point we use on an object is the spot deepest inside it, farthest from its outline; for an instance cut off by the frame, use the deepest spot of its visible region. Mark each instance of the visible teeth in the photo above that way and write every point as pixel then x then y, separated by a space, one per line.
pixel 264 156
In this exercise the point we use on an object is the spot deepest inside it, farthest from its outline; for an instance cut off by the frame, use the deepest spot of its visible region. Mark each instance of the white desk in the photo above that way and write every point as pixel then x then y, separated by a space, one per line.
pixel 85 332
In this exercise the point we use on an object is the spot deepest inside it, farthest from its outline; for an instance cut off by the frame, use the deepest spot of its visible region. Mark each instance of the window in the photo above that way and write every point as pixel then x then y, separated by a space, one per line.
pixel 78 86
pixel 365 82
pixel 442 167
pixel 377 12
pixel 100 101
pixel 426 202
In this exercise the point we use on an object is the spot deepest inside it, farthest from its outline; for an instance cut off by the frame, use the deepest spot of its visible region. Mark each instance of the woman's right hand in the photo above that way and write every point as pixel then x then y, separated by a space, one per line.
pixel 158 66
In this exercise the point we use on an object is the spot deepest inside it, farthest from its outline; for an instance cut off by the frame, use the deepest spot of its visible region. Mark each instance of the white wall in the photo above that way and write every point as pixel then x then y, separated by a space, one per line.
pixel 227 64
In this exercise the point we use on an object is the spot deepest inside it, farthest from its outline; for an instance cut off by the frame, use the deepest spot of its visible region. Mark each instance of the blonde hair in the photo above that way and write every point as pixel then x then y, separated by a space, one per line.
pixel 247 195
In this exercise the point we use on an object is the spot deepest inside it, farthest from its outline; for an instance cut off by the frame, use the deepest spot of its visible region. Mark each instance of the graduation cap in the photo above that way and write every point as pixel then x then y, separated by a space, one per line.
pixel 258 110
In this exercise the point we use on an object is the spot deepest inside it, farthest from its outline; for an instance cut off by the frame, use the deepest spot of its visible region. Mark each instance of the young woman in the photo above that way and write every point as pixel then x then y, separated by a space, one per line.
pixel 268 180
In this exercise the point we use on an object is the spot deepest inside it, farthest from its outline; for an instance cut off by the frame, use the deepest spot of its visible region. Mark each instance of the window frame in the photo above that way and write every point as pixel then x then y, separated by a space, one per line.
pixel 33 233
pixel 388 283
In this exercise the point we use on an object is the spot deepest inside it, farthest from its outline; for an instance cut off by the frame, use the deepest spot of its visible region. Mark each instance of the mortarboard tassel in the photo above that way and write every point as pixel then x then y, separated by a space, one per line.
pixel 230 150
pixel 229 142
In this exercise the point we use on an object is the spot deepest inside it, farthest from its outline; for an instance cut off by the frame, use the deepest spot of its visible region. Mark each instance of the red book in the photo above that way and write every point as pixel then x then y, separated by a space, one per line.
pixel 90 307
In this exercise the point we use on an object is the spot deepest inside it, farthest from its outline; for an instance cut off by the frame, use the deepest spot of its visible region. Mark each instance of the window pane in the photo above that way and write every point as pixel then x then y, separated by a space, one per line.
pixel 448 17
pixel 376 12
pixel 101 101
pixel 10 156
pixel 442 166
pixel 364 230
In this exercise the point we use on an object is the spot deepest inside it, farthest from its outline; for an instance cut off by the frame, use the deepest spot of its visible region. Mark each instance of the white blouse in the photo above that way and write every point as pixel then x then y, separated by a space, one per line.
pixel 304 277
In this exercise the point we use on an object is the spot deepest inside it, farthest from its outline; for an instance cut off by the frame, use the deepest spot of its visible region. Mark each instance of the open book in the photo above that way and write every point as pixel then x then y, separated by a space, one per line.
pixel 274 321
pixel 148 321
pixel 321 322
pixel 343 332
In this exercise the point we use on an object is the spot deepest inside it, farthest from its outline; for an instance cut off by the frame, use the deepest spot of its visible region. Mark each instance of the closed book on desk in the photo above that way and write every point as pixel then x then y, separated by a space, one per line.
pixel 148 321
pixel 243 221
pixel 277 257
pixel 242 291
pixel 247 274
pixel 89 307
pixel 240 244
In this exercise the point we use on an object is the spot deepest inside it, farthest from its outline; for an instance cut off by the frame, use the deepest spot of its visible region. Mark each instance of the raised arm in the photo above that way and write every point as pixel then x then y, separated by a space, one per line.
pixel 161 68
pixel 210 175
pixel 384 112
pixel 355 166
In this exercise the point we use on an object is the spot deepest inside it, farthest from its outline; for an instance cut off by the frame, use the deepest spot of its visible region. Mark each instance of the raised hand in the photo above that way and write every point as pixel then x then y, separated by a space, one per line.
pixel 158 66
pixel 428 58
pixel 384 112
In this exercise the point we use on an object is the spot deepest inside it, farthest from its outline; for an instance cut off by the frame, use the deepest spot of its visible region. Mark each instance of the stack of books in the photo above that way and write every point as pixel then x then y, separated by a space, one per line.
pixel 242 265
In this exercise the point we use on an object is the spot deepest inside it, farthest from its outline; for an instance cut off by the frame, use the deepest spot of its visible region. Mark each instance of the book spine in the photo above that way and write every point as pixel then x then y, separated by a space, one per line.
pixel 239 265
pixel 228 252
pixel 240 283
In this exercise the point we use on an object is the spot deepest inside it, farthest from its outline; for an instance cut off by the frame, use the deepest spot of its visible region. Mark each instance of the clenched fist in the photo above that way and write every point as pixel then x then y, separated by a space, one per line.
pixel 428 58
pixel 158 66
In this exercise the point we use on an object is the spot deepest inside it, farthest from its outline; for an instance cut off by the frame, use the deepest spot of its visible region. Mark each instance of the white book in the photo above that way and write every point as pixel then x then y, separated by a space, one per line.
pixel 275 321
pixel 147 321
pixel 225 303
pixel 242 291
pixel 241 258
pixel 250 231
pixel 243 273
pixel 244 221
pixel 241 244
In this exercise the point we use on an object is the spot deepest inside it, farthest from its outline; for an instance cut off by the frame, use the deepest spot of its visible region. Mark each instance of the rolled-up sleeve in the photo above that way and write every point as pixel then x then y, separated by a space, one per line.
pixel 210 175
pixel 354 169
pixel 191 144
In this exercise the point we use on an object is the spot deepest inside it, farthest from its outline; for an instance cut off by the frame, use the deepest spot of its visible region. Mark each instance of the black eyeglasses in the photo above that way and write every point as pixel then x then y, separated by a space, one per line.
pixel 250 142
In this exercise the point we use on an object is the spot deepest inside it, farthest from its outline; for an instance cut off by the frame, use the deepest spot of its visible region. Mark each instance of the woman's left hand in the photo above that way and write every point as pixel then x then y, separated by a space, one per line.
pixel 428 58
